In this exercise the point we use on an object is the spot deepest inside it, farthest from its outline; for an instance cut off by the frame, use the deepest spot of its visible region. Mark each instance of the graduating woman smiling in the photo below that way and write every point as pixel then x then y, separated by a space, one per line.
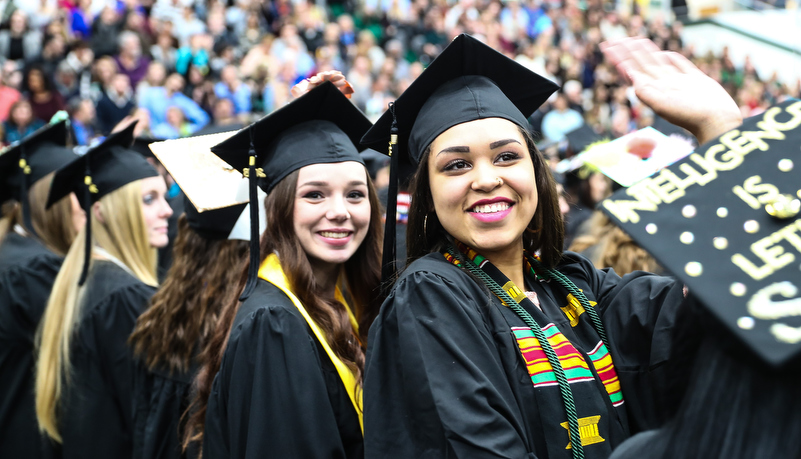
pixel 493 343
pixel 290 354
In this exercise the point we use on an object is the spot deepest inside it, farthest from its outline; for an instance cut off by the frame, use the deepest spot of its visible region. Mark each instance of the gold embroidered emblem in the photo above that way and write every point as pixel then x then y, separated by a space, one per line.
pixel 574 309
pixel 514 291
pixel 588 431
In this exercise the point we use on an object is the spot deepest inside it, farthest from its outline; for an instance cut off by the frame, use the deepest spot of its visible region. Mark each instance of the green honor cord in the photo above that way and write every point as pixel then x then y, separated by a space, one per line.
pixel 559 372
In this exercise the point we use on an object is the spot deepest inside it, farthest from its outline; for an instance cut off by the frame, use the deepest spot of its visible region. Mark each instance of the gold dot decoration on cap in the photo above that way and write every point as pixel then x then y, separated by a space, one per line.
pixel 738 289
pixel 689 211
pixel 751 226
pixel 723 212
pixel 785 165
pixel 694 268
pixel 687 238
pixel 783 206
pixel 746 323
pixel 650 228
pixel 720 243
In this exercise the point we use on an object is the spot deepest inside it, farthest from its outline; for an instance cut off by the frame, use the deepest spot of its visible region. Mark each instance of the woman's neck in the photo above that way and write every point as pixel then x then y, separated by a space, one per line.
pixel 326 275
pixel 510 262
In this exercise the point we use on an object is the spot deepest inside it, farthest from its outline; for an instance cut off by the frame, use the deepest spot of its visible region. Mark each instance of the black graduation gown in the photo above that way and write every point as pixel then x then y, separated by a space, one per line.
pixel 160 399
pixel 97 404
pixel 445 376
pixel 27 273
pixel 277 393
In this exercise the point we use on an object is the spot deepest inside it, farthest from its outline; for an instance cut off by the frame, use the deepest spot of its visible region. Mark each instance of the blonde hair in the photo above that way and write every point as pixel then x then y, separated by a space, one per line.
pixel 123 234
pixel 53 226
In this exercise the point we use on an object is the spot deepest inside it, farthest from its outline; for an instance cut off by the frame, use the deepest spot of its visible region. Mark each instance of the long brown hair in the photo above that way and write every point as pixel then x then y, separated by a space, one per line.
pixel 615 248
pixel 184 313
pixel 362 275
pixel 545 233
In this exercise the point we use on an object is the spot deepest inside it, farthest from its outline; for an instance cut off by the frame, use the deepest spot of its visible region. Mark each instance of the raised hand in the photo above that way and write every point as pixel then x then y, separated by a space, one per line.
pixel 674 87
pixel 334 76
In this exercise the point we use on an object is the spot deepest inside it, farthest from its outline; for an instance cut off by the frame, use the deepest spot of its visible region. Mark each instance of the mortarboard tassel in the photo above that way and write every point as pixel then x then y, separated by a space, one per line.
pixel 388 269
pixel 252 173
pixel 24 202
pixel 87 207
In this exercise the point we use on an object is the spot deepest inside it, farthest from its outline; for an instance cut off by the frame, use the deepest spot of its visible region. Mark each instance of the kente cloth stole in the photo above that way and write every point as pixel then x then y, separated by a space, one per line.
pixel 271 271
pixel 539 368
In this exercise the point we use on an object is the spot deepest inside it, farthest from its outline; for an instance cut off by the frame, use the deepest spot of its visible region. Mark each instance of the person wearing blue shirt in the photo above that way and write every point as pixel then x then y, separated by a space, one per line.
pixel 232 88
pixel 157 100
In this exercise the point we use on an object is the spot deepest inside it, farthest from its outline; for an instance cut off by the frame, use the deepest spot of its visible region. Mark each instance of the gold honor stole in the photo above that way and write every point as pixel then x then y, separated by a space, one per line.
pixel 271 271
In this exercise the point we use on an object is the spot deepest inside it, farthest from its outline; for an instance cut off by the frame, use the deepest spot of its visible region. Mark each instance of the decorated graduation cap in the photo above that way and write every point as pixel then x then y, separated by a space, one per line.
pixel 321 126
pixel 468 81
pixel 24 163
pixel 634 156
pixel 214 212
pixel 727 221
pixel 102 170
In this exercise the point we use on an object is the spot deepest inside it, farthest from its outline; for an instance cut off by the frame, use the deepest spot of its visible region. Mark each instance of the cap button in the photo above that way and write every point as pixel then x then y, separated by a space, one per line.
pixel 783 206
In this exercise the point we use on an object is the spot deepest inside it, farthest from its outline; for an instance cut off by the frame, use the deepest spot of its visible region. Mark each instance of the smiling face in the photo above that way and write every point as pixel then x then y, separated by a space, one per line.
pixel 332 211
pixel 483 185
pixel 156 211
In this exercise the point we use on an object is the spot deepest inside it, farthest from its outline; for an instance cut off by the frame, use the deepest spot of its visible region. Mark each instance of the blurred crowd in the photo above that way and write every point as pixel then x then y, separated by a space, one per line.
pixel 184 67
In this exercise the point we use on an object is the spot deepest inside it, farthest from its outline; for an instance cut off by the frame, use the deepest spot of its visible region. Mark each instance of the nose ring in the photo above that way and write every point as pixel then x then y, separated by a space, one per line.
pixel 500 181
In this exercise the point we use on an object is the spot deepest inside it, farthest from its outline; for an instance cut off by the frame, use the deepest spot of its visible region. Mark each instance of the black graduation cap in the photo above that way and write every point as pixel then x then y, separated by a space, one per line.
pixel 727 221
pixel 215 224
pixel 103 169
pixel 322 126
pixel 24 163
pixel 468 81
pixel 141 145
pixel 582 137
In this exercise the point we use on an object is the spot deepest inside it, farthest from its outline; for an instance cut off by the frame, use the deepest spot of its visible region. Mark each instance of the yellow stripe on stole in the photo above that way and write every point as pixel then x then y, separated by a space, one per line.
pixel 271 271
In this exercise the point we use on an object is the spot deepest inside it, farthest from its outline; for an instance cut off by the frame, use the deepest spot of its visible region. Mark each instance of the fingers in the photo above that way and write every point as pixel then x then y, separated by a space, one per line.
pixel 682 63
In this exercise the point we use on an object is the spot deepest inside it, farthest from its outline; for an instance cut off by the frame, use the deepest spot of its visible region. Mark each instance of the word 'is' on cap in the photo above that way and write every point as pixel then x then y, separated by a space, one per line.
pixel 727 221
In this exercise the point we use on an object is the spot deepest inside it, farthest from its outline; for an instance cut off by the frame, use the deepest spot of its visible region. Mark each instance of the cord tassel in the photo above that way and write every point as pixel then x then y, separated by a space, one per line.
pixel 24 201
pixel 388 265
pixel 253 267
pixel 87 207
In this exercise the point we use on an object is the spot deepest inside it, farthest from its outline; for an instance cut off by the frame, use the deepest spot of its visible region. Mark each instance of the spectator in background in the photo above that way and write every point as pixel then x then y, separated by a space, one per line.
pixel 165 50
pixel 105 30
pixel 44 99
pixel 53 53
pixel 20 123
pixel 8 97
pixel 130 60
pixel 176 125
pixel 80 60
pixel 157 100
pixel 196 54
pixel 7 8
pixel 155 76
pixel 560 120
pixel 20 42
pixel 116 102
pixel 83 116
pixel 232 88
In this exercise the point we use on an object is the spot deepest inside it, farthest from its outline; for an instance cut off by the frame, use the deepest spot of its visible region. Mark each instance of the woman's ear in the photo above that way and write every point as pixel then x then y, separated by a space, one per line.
pixel 97 211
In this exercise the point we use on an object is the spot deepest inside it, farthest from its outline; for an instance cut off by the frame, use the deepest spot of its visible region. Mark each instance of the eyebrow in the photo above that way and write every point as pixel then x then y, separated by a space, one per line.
pixel 500 143
pixel 325 184
pixel 493 145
